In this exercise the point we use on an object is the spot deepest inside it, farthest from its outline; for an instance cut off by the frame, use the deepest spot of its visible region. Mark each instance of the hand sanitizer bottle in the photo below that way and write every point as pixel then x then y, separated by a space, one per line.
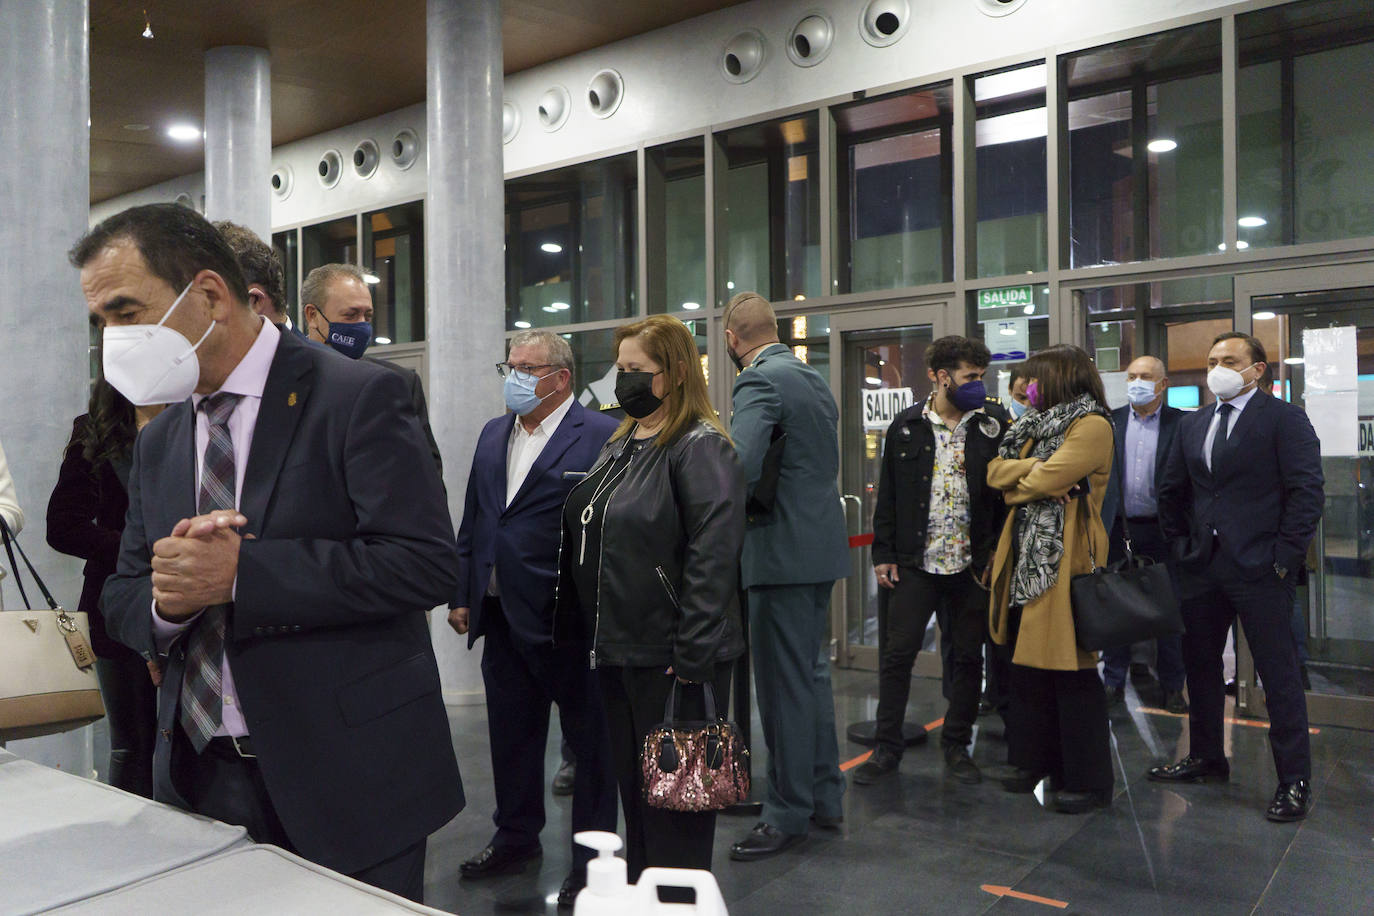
pixel 607 893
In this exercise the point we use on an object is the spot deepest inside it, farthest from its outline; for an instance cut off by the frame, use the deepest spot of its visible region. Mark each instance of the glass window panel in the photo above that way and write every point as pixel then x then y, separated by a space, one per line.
pixel 1306 135
pixel 1011 175
pixel 334 242
pixel 896 200
pixel 594 362
pixel 771 220
pixel 809 338
pixel 394 246
pixel 1213 293
pixel 683 169
pixel 1144 141
pixel 1011 333
pixel 570 244
pixel 285 246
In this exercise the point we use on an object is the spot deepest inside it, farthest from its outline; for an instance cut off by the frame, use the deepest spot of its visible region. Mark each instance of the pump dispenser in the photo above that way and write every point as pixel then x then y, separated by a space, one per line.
pixel 608 893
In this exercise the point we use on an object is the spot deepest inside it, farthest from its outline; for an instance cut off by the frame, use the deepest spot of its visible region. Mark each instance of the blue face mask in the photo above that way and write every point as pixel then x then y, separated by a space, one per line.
pixel 1018 410
pixel 969 396
pixel 519 391
pixel 350 339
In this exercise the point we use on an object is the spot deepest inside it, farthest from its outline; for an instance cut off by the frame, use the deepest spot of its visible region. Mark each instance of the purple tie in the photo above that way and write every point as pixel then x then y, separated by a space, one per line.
pixel 202 703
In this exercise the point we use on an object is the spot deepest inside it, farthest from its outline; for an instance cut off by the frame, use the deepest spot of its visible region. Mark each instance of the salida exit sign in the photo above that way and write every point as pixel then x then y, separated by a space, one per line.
pixel 1006 297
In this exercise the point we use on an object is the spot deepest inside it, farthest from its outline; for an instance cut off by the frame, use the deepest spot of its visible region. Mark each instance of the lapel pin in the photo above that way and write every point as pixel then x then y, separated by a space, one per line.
pixel 291 399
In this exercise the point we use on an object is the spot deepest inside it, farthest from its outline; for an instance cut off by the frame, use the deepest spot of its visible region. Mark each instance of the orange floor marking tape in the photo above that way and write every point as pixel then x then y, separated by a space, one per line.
pixel 851 764
pixel 1253 723
pixel 999 891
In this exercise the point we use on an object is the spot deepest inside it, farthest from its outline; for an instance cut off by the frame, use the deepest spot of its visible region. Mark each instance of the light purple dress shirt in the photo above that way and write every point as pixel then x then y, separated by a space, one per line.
pixel 1142 445
pixel 248 379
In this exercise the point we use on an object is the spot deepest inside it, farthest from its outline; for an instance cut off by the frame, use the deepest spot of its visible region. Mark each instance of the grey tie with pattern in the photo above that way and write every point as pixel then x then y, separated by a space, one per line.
pixel 202 691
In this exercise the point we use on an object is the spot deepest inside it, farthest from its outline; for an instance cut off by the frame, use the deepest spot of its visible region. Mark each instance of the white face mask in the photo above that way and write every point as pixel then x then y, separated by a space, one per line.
pixel 1140 392
pixel 1226 383
pixel 151 364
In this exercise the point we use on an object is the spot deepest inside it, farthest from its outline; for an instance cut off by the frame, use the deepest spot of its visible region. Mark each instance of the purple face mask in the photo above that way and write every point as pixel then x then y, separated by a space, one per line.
pixel 1033 395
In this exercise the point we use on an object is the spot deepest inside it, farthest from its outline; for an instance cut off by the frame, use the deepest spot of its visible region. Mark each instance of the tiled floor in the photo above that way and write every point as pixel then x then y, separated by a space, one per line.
pixel 919 843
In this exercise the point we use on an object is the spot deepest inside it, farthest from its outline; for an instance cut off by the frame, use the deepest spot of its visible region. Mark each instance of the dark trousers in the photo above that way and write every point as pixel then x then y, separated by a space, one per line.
pixel 522 683
pixel 1059 727
pixel 229 788
pixel 787 631
pixel 1147 540
pixel 131 712
pixel 917 595
pixel 1211 601
pixel 635 699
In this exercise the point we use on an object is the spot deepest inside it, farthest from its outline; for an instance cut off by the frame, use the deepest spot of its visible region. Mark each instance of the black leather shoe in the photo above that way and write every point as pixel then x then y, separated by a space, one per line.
pixel 1115 696
pixel 1080 802
pixel 1231 687
pixel 1191 769
pixel 572 886
pixel 985 706
pixel 960 766
pixel 499 860
pixel 1291 802
pixel 1174 702
pixel 763 841
pixel 828 822
pixel 565 777
pixel 880 764
pixel 1022 781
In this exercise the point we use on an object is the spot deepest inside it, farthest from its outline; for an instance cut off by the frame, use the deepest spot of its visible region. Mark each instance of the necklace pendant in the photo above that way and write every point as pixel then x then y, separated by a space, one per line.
pixel 582 547
pixel 586 517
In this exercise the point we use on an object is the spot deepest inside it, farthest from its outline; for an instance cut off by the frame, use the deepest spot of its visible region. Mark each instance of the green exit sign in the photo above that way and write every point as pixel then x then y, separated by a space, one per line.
pixel 1006 297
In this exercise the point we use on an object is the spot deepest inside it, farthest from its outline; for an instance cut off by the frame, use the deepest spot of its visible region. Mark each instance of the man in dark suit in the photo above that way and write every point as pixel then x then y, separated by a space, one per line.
pixel 1145 431
pixel 336 308
pixel 525 463
pixel 262 271
pixel 286 536
pixel 1240 500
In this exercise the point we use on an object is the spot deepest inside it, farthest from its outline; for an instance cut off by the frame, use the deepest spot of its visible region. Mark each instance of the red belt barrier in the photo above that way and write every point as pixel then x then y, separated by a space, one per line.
pixel 860 540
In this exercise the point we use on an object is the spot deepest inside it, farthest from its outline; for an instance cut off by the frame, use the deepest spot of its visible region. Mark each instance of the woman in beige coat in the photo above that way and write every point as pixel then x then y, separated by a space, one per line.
pixel 1057 724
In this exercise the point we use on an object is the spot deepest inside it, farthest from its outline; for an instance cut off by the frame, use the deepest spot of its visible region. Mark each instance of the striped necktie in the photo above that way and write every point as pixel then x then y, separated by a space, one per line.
pixel 202 704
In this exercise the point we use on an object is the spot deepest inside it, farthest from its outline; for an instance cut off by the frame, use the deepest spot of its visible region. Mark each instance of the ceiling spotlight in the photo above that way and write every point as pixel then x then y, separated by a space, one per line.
pixel 147 25
pixel 1293 361
pixel 1241 245
pixel 729 284
pixel 382 340
pixel 551 247
pixel 1162 145
pixel 522 325
pixel 875 382
pixel 1264 316
pixel 559 306
pixel 1252 222
pixel 691 306
pixel 1030 309
pixel 1221 247
pixel 549 308
pixel 371 279
pixel 185 133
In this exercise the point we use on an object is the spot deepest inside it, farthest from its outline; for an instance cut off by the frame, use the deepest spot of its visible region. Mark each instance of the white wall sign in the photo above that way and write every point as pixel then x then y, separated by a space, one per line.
pixel 1366 438
pixel 1331 395
pixel 1007 338
pixel 881 405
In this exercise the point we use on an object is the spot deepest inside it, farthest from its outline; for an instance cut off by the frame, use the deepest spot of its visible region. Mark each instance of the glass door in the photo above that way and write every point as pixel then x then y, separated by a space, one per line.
pixel 1333 622
pixel 877 370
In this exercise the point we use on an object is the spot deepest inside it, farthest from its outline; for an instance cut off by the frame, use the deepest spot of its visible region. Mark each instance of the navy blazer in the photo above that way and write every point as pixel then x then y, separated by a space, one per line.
pixel 520 541
pixel 328 636
pixel 1263 499
pixel 1116 494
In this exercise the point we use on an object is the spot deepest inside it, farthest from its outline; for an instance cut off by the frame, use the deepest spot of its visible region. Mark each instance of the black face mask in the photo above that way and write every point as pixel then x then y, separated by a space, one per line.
pixel 635 392
pixel 735 358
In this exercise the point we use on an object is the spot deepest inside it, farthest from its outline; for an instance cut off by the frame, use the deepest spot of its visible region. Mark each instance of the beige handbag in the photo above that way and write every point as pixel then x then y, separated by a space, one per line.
pixel 47 667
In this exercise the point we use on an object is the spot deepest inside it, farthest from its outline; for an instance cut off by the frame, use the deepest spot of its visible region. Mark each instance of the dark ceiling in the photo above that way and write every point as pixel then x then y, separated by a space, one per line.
pixel 333 64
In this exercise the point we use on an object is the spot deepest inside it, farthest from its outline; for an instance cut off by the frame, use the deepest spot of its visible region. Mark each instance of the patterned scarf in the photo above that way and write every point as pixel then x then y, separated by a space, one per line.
pixel 1040 536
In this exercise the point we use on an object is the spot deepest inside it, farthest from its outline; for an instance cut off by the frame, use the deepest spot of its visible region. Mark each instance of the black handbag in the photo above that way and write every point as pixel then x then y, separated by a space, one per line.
pixel 1127 602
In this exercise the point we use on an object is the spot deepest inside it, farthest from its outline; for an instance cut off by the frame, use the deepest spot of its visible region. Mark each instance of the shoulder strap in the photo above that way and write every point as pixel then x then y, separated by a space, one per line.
pixel 10 543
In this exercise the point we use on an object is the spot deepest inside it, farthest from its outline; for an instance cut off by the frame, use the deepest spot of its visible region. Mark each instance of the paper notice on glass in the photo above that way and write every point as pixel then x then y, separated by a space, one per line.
pixel 1114 387
pixel 1335 417
pixel 1328 359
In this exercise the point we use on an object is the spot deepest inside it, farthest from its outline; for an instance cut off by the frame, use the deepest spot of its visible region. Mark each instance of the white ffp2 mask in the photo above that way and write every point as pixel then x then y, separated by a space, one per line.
pixel 150 363
pixel 1226 383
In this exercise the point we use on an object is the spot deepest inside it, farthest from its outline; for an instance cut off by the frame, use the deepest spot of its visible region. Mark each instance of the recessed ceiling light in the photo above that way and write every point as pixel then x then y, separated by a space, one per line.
pixel 135 126
pixel 371 279
pixel 875 382
pixel 1241 245
pixel 1162 145
pixel 1221 247
pixel 691 306
pixel 551 247
pixel 1293 361
pixel 1030 309
pixel 559 306
pixel 1252 222
pixel 185 133
pixel 383 340
pixel 522 325
pixel 729 284
pixel 549 308
pixel 1264 316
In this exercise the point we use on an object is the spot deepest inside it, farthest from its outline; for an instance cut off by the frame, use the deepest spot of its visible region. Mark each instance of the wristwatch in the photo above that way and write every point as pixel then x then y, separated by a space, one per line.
pixel 1280 571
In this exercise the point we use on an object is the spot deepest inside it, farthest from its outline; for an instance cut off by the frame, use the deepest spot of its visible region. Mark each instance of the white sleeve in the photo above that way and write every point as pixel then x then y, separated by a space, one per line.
pixel 9 503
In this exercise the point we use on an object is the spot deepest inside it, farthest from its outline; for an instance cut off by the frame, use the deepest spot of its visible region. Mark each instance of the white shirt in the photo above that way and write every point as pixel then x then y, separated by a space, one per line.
pixel 525 447
pixel 1238 402
pixel 248 380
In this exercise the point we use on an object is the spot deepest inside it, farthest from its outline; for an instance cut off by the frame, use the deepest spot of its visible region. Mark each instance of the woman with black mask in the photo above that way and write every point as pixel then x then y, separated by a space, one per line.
pixel 649 571
pixel 86 520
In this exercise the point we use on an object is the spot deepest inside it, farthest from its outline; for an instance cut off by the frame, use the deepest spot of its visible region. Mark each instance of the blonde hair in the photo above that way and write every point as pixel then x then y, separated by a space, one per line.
pixel 669 343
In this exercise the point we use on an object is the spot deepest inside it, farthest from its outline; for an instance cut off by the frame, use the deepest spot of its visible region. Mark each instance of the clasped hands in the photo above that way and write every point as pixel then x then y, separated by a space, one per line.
pixel 197 564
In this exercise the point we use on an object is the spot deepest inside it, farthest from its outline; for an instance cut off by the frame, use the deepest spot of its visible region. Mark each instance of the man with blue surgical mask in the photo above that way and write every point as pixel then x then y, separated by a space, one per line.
pixel 336 306
pixel 525 463
pixel 1017 402
pixel 1145 430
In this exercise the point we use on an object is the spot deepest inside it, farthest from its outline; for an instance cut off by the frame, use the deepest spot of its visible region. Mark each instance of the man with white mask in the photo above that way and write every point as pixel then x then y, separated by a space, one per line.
pixel 1145 431
pixel 525 463
pixel 286 536
pixel 1240 499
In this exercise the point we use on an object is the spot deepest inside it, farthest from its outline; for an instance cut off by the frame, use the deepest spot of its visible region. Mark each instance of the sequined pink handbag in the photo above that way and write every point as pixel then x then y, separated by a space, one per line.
pixel 694 766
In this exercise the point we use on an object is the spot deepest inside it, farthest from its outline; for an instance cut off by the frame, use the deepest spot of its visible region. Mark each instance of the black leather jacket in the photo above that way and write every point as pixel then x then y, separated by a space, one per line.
pixel 902 512
pixel 669 565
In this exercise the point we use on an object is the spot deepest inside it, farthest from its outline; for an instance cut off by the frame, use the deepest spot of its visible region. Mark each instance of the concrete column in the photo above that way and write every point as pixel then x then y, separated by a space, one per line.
pixel 45 198
pixel 464 258
pixel 238 137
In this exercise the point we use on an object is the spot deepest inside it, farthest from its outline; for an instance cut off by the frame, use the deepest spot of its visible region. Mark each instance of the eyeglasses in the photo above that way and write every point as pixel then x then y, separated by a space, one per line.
pixel 504 369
